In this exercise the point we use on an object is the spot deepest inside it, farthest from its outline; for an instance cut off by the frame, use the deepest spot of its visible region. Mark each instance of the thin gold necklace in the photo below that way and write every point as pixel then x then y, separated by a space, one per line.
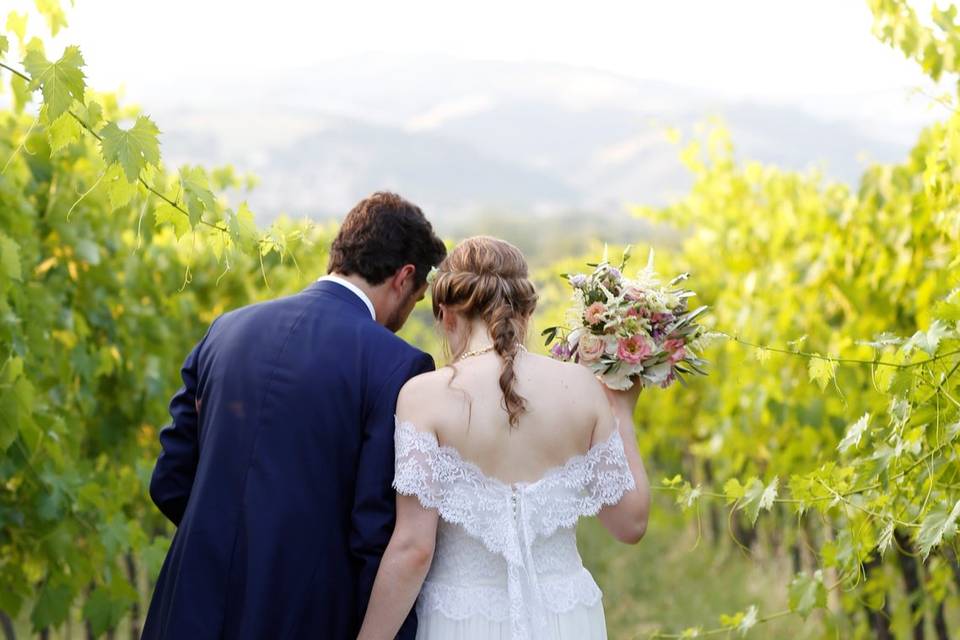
pixel 485 349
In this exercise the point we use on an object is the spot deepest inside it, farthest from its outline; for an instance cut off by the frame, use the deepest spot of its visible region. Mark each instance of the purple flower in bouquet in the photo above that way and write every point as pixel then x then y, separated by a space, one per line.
pixel 578 280
pixel 561 351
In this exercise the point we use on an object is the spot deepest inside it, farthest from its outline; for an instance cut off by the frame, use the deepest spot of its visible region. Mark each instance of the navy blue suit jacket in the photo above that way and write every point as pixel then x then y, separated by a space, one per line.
pixel 277 471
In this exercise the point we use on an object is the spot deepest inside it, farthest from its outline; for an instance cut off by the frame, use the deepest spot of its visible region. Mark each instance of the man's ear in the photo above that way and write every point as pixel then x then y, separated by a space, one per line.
pixel 406 273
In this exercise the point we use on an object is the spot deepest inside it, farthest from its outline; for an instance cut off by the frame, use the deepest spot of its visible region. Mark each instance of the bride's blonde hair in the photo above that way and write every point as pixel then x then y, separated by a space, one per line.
pixel 485 277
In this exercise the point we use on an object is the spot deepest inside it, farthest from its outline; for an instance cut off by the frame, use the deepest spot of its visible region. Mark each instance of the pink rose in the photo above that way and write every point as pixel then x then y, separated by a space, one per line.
pixel 676 349
pixel 634 293
pixel 593 314
pixel 591 347
pixel 634 349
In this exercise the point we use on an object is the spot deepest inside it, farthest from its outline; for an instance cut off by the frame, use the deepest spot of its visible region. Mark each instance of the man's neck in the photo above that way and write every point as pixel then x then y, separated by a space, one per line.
pixel 373 293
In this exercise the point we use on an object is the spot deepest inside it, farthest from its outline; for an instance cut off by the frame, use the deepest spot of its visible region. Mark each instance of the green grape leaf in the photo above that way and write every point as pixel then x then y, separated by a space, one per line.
pixel 102 612
pixel 63 131
pixel 134 148
pixel 952 431
pixel 929 340
pixel 807 593
pixel 91 113
pixel 52 607
pixel 748 621
pixel 4 45
pixel 53 13
pixel 21 93
pixel 17 24
pixel 822 371
pixel 939 524
pixel 670 482
pixel 107 605
pixel 242 228
pixel 196 193
pixel 9 417
pixel 168 214
pixel 10 258
pixel 688 495
pixel 60 82
pixel 757 497
pixel 733 490
pixel 854 433
pixel 119 191
pixel 886 537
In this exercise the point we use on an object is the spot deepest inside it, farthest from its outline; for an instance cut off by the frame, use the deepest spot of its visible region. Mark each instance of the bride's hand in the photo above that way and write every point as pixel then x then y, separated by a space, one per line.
pixel 623 402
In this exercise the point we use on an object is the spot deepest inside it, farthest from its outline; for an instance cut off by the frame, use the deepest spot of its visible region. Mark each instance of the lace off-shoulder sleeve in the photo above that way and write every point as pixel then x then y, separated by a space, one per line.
pixel 611 477
pixel 582 487
pixel 416 467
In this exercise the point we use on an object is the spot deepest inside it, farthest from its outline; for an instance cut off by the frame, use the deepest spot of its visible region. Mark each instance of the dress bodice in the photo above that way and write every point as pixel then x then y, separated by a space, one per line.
pixel 507 551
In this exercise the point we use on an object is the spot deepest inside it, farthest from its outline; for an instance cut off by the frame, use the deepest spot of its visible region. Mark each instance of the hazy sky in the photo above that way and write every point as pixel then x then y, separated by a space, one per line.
pixel 759 49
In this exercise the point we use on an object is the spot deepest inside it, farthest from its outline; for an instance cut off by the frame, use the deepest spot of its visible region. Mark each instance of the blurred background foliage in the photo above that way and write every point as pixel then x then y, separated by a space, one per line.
pixel 807 488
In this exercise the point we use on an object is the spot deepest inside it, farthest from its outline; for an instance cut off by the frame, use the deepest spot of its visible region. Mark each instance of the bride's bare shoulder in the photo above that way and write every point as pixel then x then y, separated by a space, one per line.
pixel 421 394
pixel 569 373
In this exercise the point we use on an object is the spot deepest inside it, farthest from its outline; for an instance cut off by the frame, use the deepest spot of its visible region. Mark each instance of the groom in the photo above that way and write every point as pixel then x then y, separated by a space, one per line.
pixel 278 464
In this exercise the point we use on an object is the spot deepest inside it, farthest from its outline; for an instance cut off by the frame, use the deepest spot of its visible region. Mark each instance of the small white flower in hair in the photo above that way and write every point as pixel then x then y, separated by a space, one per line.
pixel 432 275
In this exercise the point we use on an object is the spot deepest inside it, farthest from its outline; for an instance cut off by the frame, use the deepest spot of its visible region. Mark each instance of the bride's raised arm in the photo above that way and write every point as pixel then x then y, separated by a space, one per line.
pixel 410 552
pixel 627 519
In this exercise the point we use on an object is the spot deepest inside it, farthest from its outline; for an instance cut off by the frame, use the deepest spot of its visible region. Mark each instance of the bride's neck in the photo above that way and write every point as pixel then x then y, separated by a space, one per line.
pixel 478 337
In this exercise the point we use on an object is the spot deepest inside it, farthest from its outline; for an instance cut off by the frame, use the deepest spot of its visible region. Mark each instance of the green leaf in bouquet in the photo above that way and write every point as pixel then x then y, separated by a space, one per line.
pixel 695 364
pixel 626 257
pixel 550 335
pixel 685 319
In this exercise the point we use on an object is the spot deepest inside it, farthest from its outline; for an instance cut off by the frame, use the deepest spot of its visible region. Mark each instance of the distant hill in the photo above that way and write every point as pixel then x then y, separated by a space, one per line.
pixel 466 137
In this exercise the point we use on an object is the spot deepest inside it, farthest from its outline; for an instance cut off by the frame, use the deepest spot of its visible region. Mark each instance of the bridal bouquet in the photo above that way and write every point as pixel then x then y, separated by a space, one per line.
pixel 630 330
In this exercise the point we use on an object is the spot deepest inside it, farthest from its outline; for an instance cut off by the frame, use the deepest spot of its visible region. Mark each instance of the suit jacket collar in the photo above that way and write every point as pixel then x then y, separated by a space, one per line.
pixel 343 294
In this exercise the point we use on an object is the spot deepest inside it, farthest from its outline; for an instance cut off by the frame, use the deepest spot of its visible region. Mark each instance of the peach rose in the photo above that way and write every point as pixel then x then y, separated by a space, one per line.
pixel 594 313
pixel 591 347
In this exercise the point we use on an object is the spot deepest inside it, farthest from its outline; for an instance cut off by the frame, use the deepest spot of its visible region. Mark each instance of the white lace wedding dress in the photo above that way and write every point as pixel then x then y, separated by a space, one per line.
pixel 506 563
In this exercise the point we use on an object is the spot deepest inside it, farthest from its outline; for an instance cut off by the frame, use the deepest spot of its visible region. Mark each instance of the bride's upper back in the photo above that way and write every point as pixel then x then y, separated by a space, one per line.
pixel 463 405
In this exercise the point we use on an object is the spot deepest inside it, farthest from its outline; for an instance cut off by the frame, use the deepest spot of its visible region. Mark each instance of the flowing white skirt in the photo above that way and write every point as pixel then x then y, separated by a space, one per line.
pixel 580 623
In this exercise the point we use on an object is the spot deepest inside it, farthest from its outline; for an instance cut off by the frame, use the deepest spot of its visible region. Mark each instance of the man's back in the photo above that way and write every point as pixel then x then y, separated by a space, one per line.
pixel 277 470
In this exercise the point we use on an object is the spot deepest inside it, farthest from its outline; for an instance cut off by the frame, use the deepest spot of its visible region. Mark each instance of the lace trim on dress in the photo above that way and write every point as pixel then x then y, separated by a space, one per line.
pixel 580 487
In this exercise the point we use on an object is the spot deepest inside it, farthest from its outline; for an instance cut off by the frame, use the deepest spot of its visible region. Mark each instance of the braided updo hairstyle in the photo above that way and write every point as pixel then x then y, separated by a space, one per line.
pixel 484 277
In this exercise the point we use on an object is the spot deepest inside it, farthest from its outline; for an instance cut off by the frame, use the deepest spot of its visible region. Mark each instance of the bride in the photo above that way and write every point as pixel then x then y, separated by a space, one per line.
pixel 497 457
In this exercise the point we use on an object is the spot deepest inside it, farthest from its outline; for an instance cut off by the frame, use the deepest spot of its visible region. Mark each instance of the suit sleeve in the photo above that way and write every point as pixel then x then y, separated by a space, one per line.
pixel 374 506
pixel 176 467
